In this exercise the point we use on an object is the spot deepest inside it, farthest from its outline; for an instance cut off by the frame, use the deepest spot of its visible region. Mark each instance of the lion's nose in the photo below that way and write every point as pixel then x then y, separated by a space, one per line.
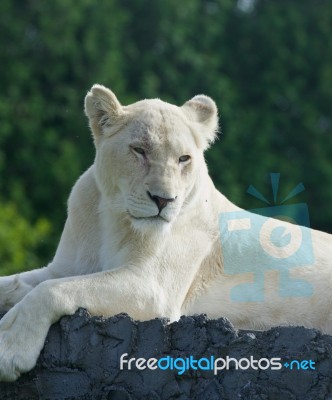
pixel 160 201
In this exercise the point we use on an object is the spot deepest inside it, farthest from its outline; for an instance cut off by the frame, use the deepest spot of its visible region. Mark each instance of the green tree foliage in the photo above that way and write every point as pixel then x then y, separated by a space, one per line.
pixel 281 66
pixel 21 242
pixel 267 65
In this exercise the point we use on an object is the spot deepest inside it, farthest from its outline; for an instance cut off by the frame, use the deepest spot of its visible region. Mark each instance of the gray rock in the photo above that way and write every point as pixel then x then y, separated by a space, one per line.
pixel 80 360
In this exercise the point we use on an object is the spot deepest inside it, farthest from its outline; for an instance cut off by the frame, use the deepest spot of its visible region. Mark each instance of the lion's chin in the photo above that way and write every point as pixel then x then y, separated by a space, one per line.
pixel 150 225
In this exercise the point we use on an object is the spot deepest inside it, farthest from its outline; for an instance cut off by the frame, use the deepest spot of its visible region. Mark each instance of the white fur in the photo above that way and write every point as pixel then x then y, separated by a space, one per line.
pixel 116 254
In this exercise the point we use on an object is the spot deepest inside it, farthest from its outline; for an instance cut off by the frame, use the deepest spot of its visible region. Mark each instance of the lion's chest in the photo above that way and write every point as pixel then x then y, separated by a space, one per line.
pixel 111 258
pixel 114 252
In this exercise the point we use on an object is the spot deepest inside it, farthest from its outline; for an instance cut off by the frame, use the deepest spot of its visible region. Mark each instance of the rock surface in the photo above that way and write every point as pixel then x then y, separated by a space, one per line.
pixel 81 356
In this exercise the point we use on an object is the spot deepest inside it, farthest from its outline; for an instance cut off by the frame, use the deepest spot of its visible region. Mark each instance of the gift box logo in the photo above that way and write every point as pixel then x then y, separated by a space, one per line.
pixel 256 242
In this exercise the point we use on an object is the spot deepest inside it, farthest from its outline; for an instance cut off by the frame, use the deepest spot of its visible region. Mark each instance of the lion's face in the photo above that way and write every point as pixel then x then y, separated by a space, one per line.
pixel 149 160
pixel 151 164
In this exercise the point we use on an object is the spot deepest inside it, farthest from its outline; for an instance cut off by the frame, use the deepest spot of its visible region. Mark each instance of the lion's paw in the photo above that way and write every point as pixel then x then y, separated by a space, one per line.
pixel 12 290
pixel 13 360
pixel 20 345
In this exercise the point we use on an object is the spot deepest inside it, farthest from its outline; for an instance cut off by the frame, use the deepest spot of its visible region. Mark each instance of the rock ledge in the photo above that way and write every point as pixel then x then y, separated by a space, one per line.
pixel 81 356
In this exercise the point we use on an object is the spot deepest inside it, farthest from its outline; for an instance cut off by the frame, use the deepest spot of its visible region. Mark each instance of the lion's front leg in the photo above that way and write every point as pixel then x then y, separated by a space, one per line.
pixel 24 328
pixel 22 334
pixel 14 288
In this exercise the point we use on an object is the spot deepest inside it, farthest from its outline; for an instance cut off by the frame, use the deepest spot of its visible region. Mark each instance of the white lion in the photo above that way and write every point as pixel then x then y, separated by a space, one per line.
pixel 142 237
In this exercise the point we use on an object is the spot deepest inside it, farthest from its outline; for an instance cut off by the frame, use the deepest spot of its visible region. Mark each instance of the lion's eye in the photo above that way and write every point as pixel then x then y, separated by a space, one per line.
pixel 138 150
pixel 183 159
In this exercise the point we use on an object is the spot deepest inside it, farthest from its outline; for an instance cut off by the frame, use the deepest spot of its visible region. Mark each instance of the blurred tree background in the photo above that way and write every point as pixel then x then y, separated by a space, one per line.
pixel 267 63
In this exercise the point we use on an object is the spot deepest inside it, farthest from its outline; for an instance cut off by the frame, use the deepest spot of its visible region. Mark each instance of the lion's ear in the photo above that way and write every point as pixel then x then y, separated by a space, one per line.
pixel 102 108
pixel 203 110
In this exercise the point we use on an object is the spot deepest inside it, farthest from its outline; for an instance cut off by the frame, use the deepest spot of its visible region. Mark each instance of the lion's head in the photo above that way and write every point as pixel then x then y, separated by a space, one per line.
pixel 149 155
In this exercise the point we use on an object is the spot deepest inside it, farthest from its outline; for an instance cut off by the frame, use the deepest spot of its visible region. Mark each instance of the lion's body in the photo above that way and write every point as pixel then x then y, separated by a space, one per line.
pixel 143 237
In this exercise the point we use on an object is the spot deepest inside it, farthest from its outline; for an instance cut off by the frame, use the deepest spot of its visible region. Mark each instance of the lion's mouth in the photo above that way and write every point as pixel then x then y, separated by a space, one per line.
pixel 156 217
